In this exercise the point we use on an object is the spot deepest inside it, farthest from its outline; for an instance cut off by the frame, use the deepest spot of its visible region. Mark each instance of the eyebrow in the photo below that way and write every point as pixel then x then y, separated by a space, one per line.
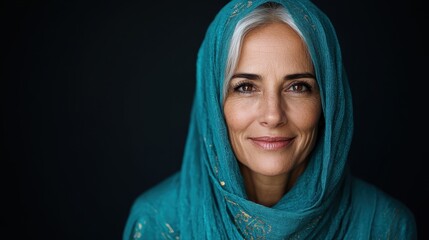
pixel 252 76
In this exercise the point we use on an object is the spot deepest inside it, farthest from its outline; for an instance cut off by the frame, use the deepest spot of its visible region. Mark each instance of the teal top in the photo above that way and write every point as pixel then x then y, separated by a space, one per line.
pixel 206 199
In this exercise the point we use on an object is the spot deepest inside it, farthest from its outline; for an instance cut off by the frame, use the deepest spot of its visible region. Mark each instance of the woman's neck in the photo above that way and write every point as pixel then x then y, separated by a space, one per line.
pixel 268 190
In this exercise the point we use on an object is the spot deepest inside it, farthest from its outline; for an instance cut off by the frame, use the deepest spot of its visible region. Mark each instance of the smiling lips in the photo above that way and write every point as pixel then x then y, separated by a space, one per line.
pixel 271 143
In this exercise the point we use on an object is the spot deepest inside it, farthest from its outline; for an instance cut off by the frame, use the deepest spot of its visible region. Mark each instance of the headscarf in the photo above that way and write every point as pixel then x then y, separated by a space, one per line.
pixel 211 184
pixel 210 200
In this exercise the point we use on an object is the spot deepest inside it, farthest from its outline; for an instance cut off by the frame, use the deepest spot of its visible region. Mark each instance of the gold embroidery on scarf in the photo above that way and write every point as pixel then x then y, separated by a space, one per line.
pixel 240 6
pixel 310 227
pixel 216 166
pixel 138 230
pixel 307 19
pixel 170 229
pixel 170 234
pixel 251 227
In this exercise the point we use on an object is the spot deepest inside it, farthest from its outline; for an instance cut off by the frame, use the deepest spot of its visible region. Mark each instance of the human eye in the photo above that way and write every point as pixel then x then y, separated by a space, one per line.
pixel 244 87
pixel 300 87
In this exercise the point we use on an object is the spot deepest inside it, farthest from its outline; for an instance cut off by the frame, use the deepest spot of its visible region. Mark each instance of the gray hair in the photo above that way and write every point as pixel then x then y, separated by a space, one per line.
pixel 262 15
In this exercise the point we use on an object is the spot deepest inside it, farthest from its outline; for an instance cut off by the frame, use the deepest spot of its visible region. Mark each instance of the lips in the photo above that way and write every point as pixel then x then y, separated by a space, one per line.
pixel 271 143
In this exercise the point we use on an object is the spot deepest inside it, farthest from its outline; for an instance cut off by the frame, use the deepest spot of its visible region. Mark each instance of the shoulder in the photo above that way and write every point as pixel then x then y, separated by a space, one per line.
pixel 160 194
pixel 389 218
pixel 153 213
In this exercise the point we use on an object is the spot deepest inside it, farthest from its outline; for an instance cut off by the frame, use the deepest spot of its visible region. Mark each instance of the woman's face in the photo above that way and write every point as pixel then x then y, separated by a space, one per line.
pixel 273 105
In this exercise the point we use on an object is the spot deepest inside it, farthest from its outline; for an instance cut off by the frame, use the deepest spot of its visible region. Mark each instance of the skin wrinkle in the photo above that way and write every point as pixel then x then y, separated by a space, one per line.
pixel 273 60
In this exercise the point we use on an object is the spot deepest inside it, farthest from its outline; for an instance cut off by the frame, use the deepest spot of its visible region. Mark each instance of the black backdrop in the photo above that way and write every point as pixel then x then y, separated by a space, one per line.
pixel 96 97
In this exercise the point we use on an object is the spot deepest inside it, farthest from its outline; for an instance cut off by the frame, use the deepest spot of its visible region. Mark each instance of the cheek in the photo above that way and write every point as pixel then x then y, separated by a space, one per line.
pixel 238 115
pixel 306 116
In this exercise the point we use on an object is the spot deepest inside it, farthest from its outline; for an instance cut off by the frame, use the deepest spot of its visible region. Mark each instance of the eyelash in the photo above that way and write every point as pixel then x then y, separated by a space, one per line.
pixel 238 87
pixel 242 84
pixel 302 84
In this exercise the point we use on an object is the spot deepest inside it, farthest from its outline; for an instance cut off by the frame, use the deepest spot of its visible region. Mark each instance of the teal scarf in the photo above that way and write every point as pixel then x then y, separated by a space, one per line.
pixel 207 198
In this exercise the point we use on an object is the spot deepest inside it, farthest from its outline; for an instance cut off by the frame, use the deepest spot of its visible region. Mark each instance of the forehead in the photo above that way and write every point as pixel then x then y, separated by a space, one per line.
pixel 274 33
pixel 275 44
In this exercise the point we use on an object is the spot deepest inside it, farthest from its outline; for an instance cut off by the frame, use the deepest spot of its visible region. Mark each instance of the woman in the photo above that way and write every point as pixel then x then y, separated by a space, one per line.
pixel 270 131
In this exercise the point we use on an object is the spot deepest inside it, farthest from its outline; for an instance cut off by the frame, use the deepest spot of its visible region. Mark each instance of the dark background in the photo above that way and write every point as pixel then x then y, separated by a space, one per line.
pixel 96 98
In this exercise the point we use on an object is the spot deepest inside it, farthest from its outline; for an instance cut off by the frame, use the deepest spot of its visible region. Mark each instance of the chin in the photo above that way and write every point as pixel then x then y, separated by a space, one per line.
pixel 270 166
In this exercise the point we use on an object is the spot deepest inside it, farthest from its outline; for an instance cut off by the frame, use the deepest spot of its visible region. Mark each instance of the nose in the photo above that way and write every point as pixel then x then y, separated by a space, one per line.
pixel 272 111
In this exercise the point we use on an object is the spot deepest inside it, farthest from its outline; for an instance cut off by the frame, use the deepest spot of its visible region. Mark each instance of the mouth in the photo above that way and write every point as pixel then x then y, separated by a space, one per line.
pixel 271 143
